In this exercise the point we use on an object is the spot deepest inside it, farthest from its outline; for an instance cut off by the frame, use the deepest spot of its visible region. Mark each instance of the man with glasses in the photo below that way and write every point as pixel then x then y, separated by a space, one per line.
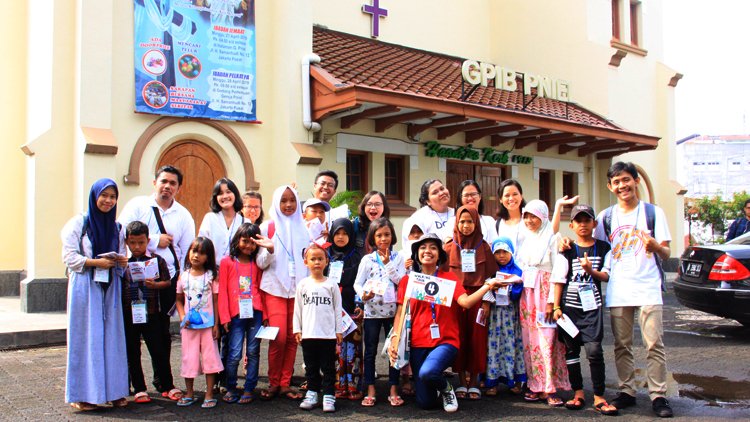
pixel 741 225
pixel 324 188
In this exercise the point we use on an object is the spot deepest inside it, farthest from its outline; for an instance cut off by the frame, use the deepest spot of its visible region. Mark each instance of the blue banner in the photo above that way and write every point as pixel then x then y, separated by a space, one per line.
pixel 195 58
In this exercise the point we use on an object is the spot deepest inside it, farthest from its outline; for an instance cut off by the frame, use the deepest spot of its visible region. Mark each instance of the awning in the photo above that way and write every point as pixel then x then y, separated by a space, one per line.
pixel 360 78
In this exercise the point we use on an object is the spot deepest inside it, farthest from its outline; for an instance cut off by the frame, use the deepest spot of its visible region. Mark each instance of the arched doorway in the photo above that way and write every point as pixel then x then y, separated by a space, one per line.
pixel 202 167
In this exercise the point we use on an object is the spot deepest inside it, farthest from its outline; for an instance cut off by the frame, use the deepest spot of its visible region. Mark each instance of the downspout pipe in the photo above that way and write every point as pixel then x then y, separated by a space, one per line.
pixel 306 106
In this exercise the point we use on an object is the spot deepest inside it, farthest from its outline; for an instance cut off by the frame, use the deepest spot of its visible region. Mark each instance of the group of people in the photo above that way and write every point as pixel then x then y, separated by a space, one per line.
pixel 518 300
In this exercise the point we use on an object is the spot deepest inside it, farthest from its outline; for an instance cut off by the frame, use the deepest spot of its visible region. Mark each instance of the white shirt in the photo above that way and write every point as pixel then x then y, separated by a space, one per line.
pixel 317 309
pixel 215 228
pixel 635 279
pixel 433 222
pixel 266 261
pixel 512 232
pixel 370 268
pixel 489 233
pixel 177 221
pixel 342 211
pixel 71 236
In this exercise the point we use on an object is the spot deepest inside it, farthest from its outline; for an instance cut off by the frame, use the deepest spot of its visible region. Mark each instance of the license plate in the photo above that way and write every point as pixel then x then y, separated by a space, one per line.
pixel 693 269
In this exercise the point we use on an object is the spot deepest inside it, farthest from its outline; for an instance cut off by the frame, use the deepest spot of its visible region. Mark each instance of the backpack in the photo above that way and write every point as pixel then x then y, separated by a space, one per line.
pixel 650 224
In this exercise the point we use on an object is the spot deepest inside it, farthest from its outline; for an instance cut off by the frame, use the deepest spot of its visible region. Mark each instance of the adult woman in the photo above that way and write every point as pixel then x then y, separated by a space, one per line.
pixel 373 206
pixel 252 206
pixel 225 218
pixel 96 371
pixel 434 328
pixel 509 212
pixel 436 212
pixel 470 195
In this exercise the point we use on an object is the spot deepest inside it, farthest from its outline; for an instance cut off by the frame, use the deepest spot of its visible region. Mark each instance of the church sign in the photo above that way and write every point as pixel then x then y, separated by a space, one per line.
pixel 469 153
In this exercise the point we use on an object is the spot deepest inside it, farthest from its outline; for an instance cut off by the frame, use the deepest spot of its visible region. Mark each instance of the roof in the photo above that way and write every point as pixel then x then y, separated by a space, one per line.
pixel 397 84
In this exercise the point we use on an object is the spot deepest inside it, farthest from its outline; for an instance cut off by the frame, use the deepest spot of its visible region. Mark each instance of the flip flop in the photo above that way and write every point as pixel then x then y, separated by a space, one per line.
pixel 461 392
pixel 231 397
pixel 141 397
pixel 209 403
pixel 577 403
pixel 599 407
pixel 554 401
pixel 395 401
pixel 474 393
pixel 368 401
pixel 531 397
pixel 185 401
pixel 246 398
pixel 173 394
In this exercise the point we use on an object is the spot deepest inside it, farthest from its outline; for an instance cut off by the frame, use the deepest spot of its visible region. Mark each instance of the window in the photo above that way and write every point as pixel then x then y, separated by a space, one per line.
pixel 570 188
pixel 545 187
pixel 635 12
pixel 356 171
pixel 394 177
pixel 616 19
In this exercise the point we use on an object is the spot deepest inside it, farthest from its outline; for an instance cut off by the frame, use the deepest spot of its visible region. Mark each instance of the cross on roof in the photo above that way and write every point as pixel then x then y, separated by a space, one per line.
pixel 376 13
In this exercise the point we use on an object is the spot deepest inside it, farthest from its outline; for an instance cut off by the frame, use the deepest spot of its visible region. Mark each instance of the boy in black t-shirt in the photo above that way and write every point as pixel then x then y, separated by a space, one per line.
pixel 581 302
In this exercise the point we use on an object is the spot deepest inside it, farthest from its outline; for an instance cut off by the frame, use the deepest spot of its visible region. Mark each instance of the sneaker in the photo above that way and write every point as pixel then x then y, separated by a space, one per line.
pixel 450 403
pixel 329 403
pixel 623 400
pixel 662 408
pixel 310 400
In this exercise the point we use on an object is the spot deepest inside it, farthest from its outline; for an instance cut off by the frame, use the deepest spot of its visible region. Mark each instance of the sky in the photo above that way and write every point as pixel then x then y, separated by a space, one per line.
pixel 707 41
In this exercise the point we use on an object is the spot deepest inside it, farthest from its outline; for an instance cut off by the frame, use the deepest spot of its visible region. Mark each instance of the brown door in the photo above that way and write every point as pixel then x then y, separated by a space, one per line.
pixel 488 178
pixel 201 167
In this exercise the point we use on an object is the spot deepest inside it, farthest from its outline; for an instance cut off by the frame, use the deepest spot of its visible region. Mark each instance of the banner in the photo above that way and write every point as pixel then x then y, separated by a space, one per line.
pixel 195 58
pixel 430 289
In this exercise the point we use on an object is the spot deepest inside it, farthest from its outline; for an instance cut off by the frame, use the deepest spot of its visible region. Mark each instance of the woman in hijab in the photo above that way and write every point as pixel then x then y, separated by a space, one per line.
pixel 96 370
pixel 543 273
pixel 342 268
pixel 471 261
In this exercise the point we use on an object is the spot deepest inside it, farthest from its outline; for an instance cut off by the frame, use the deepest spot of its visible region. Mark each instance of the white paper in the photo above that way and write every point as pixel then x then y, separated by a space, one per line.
pixel 347 324
pixel 151 268
pixel 101 275
pixel 508 278
pixel 566 324
pixel 501 296
pixel 137 271
pixel 430 289
pixel 541 323
pixel 378 285
pixel 468 261
pixel 267 333
pixel 315 228
pixel 480 317
pixel 110 255
pixel 335 270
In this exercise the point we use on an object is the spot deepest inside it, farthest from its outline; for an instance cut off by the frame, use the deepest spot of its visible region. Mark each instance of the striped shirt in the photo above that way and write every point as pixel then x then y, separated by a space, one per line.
pixel 599 255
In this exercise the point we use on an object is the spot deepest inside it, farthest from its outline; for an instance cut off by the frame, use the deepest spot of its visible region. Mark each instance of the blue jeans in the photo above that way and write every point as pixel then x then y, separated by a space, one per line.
pixel 428 365
pixel 371 328
pixel 242 331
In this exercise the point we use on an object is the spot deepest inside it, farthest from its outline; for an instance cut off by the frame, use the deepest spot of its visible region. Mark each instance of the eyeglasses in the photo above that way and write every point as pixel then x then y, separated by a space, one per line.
pixel 470 195
pixel 327 185
pixel 252 207
pixel 373 205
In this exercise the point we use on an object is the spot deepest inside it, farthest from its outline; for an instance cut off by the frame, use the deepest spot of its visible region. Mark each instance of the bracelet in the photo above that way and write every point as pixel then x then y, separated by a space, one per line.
pixel 556 308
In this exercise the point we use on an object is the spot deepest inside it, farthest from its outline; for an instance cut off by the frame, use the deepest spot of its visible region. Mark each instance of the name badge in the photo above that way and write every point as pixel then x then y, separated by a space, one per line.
pixel 501 296
pixel 335 270
pixel 101 275
pixel 468 261
pixel 292 269
pixel 480 317
pixel 434 331
pixel 138 308
pixel 529 277
pixel 588 301
pixel 246 306
pixel 390 294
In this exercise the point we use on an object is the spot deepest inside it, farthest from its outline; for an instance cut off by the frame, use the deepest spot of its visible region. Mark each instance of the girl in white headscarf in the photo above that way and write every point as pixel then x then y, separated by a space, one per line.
pixel 282 267
pixel 543 272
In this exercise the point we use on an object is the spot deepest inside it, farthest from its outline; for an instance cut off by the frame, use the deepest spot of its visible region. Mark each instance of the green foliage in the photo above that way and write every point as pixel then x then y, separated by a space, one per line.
pixel 735 205
pixel 350 198
pixel 714 212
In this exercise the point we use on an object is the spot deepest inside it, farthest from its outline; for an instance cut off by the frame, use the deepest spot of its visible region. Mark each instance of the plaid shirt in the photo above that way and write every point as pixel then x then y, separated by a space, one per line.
pixel 151 296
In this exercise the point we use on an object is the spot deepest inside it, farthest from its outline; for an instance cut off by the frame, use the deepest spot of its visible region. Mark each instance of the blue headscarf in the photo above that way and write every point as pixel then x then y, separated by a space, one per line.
pixel 102 227
pixel 511 267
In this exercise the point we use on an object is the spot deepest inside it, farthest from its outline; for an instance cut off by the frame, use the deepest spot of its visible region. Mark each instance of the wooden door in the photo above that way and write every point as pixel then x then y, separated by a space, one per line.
pixel 488 178
pixel 201 167
pixel 456 173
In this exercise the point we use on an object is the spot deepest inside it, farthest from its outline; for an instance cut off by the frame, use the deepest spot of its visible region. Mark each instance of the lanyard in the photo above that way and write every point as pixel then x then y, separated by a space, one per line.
pixel 291 258
pixel 377 257
pixel 432 306
pixel 460 248
pixel 347 256
pixel 229 234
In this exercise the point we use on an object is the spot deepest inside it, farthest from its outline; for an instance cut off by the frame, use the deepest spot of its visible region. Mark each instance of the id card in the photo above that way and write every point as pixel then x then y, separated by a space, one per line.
pixel 501 296
pixel 138 308
pixel 101 275
pixel 389 296
pixel 480 317
pixel 529 277
pixel 588 301
pixel 468 261
pixel 292 269
pixel 434 331
pixel 379 285
pixel 335 270
pixel 246 306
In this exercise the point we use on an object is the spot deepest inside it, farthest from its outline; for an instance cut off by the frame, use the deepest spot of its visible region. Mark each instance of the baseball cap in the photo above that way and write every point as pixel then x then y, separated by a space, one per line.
pixel 582 209
pixel 315 201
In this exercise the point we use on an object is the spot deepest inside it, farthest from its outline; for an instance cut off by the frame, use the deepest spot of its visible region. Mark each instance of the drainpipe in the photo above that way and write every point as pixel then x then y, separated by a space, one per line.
pixel 306 112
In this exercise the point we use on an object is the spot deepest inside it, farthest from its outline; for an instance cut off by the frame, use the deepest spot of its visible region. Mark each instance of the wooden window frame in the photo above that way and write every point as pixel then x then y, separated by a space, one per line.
pixel 635 9
pixel 572 190
pixel 616 32
pixel 363 174
pixel 549 174
pixel 400 196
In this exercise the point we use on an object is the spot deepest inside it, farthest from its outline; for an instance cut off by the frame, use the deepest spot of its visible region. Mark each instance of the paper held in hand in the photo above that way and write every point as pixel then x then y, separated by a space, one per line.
pixel 267 333
pixel 347 324
pixel 430 289
pixel 140 271
pixel 508 278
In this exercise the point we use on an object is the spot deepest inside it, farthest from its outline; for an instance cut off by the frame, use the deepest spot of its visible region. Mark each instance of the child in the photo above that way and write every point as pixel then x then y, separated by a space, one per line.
pixel 377 280
pixel 416 230
pixel 200 328
pixel 316 209
pixel 241 309
pixel 542 267
pixel 342 270
pixel 581 302
pixel 140 308
pixel 505 348
pixel 317 327
pixel 470 260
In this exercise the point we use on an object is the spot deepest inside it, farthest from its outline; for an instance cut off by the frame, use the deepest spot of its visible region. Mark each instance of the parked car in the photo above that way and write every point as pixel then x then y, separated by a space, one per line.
pixel 716 279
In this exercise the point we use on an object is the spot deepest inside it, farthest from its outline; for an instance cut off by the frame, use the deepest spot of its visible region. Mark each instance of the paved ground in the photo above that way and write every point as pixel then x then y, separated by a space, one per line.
pixel 707 358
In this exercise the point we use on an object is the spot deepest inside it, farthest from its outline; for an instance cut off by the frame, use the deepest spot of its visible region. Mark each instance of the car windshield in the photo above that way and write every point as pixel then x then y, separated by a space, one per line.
pixel 742 240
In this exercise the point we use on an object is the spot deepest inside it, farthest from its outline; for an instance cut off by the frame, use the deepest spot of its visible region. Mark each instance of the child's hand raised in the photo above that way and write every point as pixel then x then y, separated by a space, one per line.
pixel 263 242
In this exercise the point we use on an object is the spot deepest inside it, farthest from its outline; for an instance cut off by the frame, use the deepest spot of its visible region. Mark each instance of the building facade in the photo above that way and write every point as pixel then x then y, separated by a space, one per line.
pixel 710 165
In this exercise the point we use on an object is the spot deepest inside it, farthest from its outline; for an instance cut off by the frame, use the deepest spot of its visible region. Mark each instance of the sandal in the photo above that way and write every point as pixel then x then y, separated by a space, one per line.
pixel 577 403
pixel 599 407
pixel 395 401
pixel 554 401
pixel 209 403
pixel 491 392
pixel 474 393
pixel 269 393
pixel 231 397
pixel 173 394
pixel 142 397
pixel 517 389
pixel 368 401
pixel 355 395
pixel 291 394
pixel 82 406
pixel 185 401
pixel 461 392
pixel 120 402
pixel 247 398
pixel 531 396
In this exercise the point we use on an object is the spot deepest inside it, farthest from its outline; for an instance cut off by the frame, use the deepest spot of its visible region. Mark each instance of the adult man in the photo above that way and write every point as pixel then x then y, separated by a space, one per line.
pixel 741 225
pixel 326 183
pixel 639 236
pixel 171 231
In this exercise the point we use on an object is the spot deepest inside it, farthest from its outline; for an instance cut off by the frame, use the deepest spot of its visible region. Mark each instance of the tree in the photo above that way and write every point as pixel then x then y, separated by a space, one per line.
pixel 712 212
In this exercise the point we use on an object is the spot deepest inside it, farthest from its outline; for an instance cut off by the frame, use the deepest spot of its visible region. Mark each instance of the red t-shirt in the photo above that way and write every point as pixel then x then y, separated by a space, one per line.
pixel 421 316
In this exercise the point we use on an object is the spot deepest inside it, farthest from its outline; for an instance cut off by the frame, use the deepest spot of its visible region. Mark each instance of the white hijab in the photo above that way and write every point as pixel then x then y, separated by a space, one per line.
pixel 536 244
pixel 290 238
